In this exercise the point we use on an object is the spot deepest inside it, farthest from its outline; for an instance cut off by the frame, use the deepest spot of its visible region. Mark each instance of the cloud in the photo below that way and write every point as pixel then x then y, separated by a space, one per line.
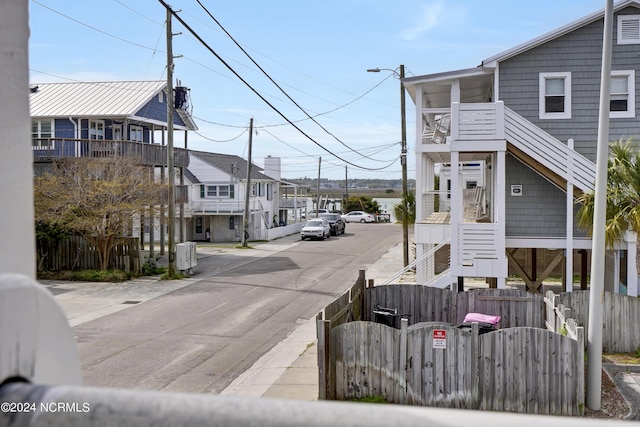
pixel 429 18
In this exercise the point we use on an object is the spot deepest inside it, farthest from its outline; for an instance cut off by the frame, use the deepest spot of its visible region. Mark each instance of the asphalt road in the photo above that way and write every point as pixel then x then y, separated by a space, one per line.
pixel 201 337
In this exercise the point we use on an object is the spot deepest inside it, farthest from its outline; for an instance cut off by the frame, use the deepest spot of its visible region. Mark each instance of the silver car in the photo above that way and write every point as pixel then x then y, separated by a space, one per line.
pixel 358 216
pixel 318 228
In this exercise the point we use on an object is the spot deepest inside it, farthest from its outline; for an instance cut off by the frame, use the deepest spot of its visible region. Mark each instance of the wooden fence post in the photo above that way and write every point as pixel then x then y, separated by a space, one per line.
pixel 475 369
pixel 324 357
pixel 363 299
pixel 404 325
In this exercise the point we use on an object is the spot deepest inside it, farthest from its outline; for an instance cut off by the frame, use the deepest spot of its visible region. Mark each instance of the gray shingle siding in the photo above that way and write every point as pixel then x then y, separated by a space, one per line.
pixel 540 211
pixel 579 52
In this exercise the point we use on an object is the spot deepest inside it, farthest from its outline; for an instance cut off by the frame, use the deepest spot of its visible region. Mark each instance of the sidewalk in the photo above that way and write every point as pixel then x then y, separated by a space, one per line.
pixel 290 369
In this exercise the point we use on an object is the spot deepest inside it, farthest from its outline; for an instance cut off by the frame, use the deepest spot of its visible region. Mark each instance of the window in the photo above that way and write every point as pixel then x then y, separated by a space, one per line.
pixel 470 185
pixel 555 95
pixel 216 191
pixel 269 191
pixel 628 29
pixel 135 133
pixel 96 129
pixel 622 99
pixel 41 131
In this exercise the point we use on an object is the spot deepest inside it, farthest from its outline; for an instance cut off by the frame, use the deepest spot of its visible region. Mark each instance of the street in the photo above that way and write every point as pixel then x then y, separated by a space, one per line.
pixel 201 337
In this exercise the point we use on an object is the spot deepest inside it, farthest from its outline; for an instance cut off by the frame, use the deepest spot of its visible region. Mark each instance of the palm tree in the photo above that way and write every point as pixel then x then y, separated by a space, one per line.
pixel 623 193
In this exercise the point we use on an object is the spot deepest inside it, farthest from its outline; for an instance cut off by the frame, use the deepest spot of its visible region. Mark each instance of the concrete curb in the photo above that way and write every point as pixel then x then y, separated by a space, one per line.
pixel 627 385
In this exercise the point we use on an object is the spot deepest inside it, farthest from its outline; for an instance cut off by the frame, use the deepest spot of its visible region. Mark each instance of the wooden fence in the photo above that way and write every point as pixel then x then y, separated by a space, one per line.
pixel 519 368
pixel 75 253
pixel 621 317
pixel 527 370
pixel 427 304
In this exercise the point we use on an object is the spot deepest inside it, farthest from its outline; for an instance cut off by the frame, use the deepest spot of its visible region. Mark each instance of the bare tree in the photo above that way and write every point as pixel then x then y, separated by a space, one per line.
pixel 96 198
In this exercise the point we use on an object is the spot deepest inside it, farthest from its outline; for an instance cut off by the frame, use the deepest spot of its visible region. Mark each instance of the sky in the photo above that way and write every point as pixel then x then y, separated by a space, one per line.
pixel 318 53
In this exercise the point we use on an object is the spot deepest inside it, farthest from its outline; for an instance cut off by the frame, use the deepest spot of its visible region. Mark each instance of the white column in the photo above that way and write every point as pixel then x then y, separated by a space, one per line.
pixel 456 214
pixel 569 239
pixel 17 246
pixel 631 238
pixel 499 215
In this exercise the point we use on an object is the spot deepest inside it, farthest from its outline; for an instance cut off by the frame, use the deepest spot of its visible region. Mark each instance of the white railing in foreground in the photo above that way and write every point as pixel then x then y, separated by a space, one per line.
pixel 415 262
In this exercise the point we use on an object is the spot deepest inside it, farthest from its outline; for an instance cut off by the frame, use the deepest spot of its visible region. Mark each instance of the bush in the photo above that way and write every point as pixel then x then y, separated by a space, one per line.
pixel 150 268
pixel 86 275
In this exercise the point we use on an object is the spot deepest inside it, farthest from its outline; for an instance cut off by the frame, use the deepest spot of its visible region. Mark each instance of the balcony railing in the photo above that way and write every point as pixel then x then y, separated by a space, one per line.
pixel 231 206
pixel 291 202
pixel 48 149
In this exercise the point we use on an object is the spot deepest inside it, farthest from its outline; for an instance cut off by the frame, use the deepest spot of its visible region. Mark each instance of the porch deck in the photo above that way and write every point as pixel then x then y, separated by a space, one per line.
pixel 50 149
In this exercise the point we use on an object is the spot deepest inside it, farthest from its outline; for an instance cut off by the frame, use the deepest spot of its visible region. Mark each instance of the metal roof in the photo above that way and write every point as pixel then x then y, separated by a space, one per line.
pixel 223 162
pixel 92 99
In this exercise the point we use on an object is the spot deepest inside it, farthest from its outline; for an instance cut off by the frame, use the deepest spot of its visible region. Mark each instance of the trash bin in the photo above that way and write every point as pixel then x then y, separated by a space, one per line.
pixel 387 316
pixel 483 327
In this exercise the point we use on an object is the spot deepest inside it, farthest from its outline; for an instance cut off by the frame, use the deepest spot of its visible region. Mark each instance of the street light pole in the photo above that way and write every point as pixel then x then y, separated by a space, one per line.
pixel 403 162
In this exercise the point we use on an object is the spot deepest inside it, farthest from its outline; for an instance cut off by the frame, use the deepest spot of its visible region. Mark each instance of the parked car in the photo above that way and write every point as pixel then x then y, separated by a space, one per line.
pixel 336 222
pixel 318 228
pixel 312 214
pixel 358 216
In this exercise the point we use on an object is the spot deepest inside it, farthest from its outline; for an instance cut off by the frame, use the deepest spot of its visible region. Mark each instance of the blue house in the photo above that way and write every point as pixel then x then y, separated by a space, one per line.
pixel 530 114
pixel 99 119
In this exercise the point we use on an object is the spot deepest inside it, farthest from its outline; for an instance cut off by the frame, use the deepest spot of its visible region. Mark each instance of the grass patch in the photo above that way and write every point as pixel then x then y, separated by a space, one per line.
pixel 86 275
pixel 176 276
pixel 622 358
pixel 370 399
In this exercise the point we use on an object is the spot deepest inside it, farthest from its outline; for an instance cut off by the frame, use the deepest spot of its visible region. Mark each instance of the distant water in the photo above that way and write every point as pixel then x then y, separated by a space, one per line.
pixel 386 205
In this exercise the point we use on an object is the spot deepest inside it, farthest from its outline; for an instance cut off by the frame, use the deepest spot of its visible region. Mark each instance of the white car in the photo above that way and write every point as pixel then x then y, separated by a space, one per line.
pixel 313 214
pixel 358 216
pixel 318 228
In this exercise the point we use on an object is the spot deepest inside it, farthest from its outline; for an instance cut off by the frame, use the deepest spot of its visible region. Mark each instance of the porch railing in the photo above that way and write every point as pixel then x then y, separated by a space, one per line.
pixel 48 149
pixel 477 122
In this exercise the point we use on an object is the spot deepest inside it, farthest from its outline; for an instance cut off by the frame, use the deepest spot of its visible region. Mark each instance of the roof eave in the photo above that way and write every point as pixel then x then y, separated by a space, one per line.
pixel 493 61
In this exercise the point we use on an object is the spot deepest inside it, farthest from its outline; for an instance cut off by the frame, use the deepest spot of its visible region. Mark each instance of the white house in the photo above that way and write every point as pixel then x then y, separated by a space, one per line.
pixel 217 192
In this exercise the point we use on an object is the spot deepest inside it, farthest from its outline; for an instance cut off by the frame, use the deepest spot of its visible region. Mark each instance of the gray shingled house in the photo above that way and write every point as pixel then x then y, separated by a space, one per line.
pixel 530 114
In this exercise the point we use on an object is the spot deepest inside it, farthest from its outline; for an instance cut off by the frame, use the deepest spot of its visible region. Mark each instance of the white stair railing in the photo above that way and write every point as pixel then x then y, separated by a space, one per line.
pixel 423 259
pixel 549 151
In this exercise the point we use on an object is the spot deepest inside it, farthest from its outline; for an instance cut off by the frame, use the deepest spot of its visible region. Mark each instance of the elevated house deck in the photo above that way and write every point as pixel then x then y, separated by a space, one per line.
pixel 49 149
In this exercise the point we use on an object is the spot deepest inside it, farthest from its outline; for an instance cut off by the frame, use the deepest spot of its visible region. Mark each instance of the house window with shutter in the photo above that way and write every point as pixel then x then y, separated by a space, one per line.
pixel 216 191
pixel 622 96
pixel 628 29
pixel 555 95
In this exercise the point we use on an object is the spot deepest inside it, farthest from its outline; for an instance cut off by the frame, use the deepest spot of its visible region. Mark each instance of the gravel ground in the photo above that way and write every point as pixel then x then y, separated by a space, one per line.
pixel 613 404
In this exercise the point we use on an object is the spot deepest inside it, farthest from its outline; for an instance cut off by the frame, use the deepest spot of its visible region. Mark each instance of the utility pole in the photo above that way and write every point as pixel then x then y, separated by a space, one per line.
pixel 403 162
pixel 346 190
pixel 318 188
pixel 170 161
pixel 596 295
pixel 245 220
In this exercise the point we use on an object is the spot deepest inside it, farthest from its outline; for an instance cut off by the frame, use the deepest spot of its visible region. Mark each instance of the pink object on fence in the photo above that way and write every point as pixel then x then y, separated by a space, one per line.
pixel 478 317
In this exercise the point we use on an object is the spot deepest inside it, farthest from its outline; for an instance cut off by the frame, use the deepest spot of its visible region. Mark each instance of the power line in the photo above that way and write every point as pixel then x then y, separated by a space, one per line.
pixel 91 27
pixel 210 49
pixel 276 84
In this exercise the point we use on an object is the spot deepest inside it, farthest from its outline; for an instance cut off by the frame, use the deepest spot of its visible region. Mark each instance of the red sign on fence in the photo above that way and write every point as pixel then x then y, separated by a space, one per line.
pixel 439 338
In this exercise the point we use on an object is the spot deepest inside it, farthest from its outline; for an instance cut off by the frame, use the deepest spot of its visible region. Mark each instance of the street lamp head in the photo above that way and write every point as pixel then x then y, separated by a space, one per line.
pixel 373 70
